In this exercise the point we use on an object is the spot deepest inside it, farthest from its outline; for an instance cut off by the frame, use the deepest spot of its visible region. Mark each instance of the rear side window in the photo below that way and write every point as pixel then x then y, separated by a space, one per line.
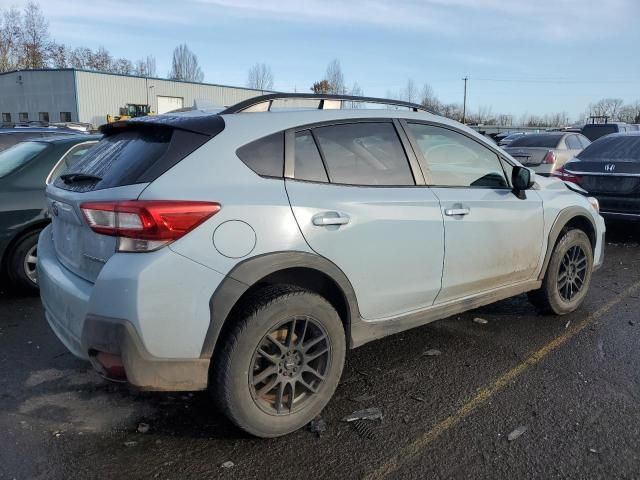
pixel 308 163
pixel 364 154
pixel 138 154
pixel 265 156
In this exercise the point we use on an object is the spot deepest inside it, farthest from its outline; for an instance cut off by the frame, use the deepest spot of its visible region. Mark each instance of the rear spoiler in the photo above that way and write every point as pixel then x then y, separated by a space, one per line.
pixel 209 125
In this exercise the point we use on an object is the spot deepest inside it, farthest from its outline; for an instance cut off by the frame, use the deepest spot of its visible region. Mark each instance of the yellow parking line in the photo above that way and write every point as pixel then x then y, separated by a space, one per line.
pixel 410 451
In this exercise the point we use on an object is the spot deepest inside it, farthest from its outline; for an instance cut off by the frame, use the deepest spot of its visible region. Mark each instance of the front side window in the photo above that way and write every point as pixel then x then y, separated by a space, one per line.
pixel 365 153
pixel 454 160
pixel 308 163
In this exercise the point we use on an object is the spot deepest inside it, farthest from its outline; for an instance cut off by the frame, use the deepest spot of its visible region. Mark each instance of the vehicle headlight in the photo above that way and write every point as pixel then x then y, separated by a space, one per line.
pixel 594 203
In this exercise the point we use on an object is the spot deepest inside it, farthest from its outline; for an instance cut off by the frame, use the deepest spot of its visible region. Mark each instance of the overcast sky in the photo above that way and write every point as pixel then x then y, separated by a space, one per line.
pixel 536 56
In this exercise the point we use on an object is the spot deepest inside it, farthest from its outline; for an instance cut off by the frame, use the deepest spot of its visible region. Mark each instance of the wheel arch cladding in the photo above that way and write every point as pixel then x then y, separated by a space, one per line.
pixel 305 270
pixel 571 217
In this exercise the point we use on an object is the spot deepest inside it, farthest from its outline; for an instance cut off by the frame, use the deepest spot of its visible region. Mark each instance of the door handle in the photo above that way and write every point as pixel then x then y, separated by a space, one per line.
pixel 330 218
pixel 454 212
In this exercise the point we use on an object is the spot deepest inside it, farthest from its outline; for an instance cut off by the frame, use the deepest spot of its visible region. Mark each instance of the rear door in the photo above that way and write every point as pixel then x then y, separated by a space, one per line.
pixel 492 237
pixel 356 200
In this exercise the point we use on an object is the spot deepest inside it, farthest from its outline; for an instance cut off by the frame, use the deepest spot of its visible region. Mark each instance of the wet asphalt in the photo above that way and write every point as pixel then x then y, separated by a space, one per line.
pixel 572 384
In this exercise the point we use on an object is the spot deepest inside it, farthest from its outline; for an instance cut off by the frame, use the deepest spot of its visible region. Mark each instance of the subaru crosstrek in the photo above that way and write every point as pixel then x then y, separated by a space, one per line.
pixel 245 251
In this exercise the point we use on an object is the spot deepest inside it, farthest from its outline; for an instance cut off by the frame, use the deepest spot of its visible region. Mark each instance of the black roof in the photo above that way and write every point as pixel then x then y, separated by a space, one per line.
pixel 206 124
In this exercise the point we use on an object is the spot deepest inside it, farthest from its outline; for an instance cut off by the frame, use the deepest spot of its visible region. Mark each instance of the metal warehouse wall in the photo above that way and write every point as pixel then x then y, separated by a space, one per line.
pixel 101 94
pixel 38 91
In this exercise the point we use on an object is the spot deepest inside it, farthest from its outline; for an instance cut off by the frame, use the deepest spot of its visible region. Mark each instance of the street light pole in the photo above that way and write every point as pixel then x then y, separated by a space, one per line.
pixel 464 104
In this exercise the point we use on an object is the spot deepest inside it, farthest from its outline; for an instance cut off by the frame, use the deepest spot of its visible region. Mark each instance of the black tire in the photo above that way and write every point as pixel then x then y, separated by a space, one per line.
pixel 21 274
pixel 234 371
pixel 553 297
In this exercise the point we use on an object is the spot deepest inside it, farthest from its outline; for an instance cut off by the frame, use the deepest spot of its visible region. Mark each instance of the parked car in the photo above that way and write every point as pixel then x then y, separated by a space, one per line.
pixel 609 169
pixel 11 136
pixel 507 139
pixel 546 152
pixel 246 252
pixel 593 131
pixel 24 169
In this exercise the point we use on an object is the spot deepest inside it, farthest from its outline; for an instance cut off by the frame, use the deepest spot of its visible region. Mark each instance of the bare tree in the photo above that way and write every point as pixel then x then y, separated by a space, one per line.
pixel 260 77
pixel 630 113
pixel 607 107
pixel 410 92
pixel 185 65
pixel 100 60
pixel 145 67
pixel 428 99
pixel 10 39
pixel 335 77
pixel 35 37
pixel 356 91
pixel 122 66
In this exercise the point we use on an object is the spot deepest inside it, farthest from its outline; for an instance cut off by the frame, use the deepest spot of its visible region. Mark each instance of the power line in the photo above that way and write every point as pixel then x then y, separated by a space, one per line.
pixel 556 81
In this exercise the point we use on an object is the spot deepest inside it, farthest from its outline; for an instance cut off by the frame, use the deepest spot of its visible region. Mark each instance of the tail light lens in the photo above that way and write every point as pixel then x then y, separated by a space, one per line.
pixel 144 226
pixel 549 158
pixel 567 176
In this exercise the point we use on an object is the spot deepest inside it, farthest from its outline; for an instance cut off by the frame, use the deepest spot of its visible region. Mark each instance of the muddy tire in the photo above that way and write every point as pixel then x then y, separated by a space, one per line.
pixel 568 275
pixel 281 363
pixel 21 262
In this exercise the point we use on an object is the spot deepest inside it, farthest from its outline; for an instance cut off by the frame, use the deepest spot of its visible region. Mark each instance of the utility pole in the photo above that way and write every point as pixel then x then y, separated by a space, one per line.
pixel 464 104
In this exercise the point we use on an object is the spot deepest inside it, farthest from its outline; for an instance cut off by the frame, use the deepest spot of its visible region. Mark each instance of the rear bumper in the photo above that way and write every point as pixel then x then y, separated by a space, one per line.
pixel 151 310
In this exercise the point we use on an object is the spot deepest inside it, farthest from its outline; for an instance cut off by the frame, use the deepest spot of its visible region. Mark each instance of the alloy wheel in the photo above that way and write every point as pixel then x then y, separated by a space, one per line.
pixel 29 264
pixel 572 274
pixel 289 366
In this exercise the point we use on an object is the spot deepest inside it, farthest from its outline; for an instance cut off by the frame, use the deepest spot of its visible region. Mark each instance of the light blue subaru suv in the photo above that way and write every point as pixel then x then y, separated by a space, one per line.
pixel 244 251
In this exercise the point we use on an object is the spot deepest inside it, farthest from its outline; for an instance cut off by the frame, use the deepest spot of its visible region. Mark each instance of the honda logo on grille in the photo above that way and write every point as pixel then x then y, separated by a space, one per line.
pixel 609 167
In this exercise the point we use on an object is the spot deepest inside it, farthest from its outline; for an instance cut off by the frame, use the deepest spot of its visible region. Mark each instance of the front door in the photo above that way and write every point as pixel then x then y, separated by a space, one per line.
pixel 355 199
pixel 493 237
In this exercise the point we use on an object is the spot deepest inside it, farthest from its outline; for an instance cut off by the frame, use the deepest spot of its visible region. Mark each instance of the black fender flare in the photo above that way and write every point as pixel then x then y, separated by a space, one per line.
pixel 249 272
pixel 564 217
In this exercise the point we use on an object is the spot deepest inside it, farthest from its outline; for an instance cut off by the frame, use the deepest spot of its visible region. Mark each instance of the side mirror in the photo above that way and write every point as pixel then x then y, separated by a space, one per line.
pixel 522 178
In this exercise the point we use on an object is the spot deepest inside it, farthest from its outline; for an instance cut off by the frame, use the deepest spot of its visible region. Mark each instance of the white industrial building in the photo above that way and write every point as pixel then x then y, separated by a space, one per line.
pixel 71 95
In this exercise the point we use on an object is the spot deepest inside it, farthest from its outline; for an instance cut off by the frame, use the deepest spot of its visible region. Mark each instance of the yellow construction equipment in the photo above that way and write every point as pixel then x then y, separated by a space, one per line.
pixel 131 110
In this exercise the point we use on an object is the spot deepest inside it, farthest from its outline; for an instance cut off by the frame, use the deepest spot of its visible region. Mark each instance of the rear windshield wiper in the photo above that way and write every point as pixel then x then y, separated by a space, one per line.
pixel 68 178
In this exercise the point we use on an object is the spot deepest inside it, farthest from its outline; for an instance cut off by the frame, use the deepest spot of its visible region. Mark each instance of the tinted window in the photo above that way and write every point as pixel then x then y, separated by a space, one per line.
pixel 573 143
pixel 595 131
pixel 265 156
pixel 537 140
pixel 613 148
pixel 19 155
pixel 364 154
pixel 454 160
pixel 308 163
pixel 139 154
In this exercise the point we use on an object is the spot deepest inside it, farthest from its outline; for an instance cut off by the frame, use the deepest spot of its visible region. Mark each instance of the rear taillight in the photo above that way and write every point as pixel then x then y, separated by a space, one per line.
pixel 142 225
pixel 567 176
pixel 549 158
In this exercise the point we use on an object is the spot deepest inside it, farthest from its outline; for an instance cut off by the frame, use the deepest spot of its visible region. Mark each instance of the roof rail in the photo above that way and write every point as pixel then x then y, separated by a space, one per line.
pixel 263 103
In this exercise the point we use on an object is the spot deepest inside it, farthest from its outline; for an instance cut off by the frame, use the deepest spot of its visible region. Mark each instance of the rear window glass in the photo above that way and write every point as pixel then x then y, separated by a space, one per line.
pixel 265 156
pixel 544 141
pixel 613 148
pixel 19 155
pixel 138 154
pixel 592 132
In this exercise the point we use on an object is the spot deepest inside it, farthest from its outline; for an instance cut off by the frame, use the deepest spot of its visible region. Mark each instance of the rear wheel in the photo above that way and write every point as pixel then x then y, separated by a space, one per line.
pixel 281 363
pixel 22 260
pixel 568 275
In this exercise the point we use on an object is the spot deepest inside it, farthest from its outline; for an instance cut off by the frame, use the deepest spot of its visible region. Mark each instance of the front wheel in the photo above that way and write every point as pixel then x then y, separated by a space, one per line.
pixel 568 275
pixel 281 363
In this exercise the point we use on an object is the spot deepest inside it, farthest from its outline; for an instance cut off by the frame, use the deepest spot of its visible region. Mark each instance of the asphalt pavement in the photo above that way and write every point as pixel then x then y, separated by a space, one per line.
pixel 518 396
